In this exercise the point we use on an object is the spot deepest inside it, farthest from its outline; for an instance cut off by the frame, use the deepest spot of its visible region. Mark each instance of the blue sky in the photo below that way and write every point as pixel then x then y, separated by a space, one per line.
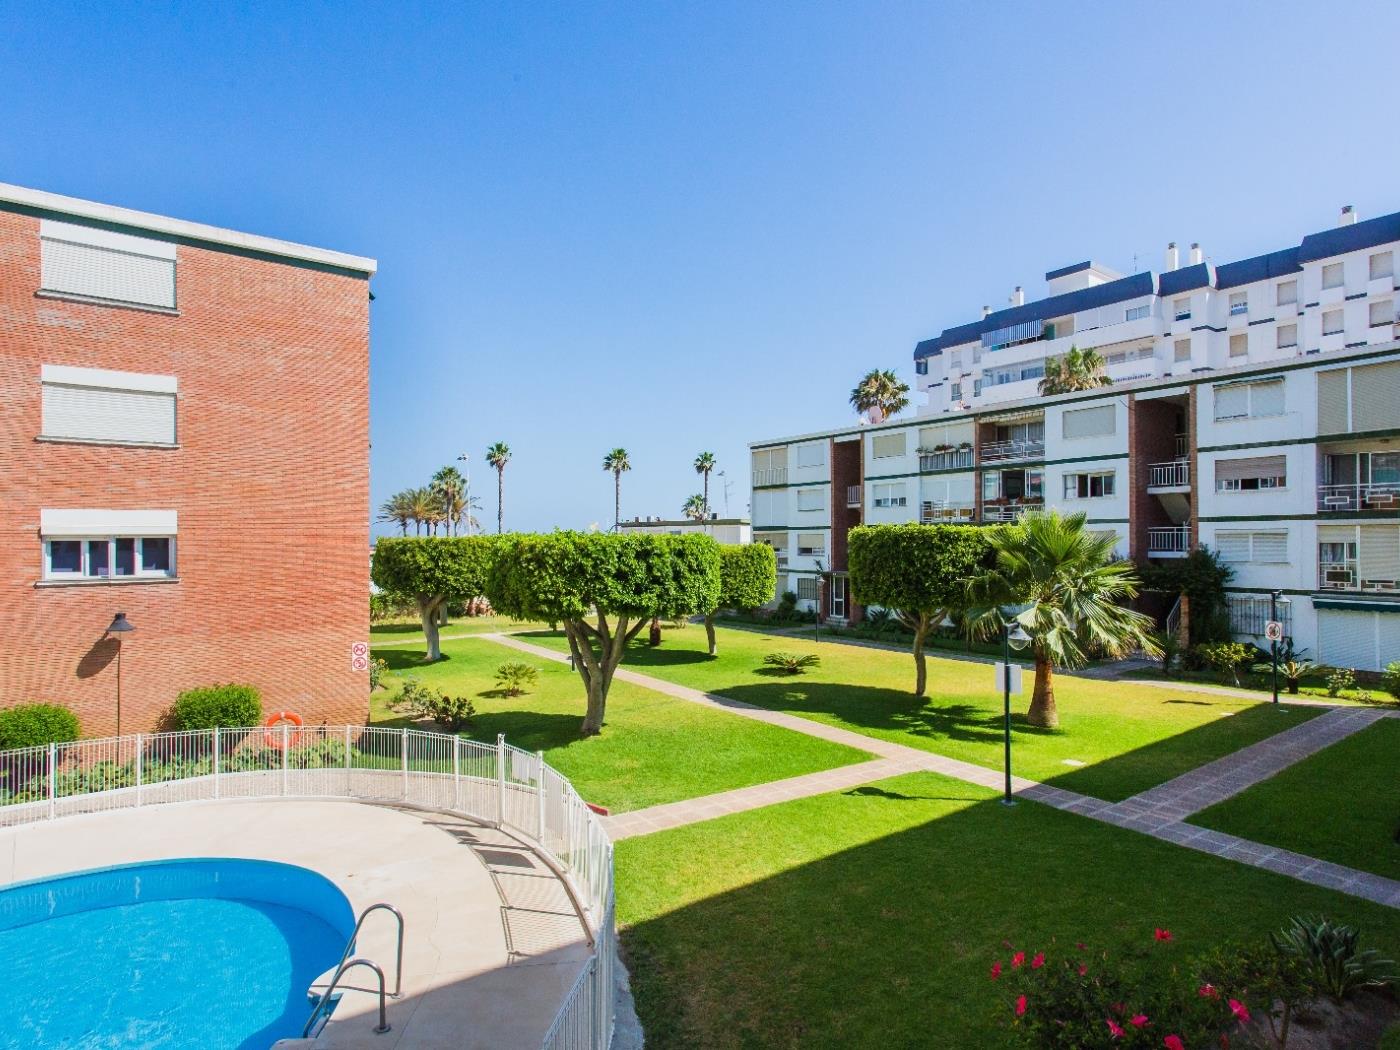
pixel 681 227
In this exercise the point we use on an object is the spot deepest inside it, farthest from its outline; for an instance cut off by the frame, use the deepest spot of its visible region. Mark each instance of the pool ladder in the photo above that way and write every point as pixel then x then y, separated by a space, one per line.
pixel 321 1011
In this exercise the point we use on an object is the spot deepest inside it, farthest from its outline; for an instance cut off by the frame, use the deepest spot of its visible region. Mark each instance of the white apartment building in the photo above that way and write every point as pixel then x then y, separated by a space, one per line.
pixel 1254 409
pixel 724 530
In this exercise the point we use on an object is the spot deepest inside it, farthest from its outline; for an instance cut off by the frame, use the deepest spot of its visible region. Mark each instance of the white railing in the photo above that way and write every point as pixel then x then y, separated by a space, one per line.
pixel 1174 475
pixel 772 476
pixel 1359 496
pixel 997 451
pixel 495 784
pixel 1172 539
pixel 852 495
pixel 952 459
pixel 1009 511
pixel 932 512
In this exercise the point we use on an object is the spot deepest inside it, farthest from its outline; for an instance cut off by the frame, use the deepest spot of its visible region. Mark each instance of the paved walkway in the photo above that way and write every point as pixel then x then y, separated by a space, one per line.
pixel 1161 817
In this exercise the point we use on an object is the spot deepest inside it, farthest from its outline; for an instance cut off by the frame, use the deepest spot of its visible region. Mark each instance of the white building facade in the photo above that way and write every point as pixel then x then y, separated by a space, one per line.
pixel 724 530
pixel 1254 409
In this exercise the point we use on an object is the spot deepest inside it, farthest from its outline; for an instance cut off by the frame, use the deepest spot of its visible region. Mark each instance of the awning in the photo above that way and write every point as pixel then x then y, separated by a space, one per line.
pixel 1356 605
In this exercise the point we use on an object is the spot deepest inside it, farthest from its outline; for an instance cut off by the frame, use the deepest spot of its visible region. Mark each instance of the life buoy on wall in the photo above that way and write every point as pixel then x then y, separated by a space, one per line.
pixel 273 735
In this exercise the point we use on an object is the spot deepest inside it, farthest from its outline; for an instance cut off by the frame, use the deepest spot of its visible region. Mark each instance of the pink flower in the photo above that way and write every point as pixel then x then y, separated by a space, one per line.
pixel 1161 934
pixel 1114 1028
pixel 1020 1005
pixel 1239 1010
pixel 1138 1020
pixel 1038 961
pixel 1173 1042
pixel 996 969
pixel 1018 959
pixel 1083 969
pixel 1208 991
pixel 1081 946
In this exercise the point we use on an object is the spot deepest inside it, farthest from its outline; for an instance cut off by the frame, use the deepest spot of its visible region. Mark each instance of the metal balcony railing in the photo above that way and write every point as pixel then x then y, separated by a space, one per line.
pixel 1010 511
pixel 1173 475
pixel 772 476
pixel 1359 496
pixel 1172 539
pixel 1346 576
pixel 1181 446
pixel 955 459
pixel 933 512
pixel 853 495
pixel 1000 451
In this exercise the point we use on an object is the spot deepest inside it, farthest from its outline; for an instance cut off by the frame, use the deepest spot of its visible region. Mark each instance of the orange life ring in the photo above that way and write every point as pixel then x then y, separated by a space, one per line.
pixel 273 737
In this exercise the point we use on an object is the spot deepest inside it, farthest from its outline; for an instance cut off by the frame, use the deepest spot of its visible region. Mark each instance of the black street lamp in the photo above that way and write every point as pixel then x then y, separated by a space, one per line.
pixel 821 579
pixel 1274 598
pixel 119 626
pixel 1013 636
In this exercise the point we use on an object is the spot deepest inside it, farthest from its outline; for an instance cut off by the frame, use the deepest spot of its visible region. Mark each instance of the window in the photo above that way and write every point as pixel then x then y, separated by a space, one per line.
pixel 1252 474
pixel 1332 275
pixel 811 498
pixel 1239 303
pixel 97 405
pixel 889 495
pixel 1089 422
pixel 1332 322
pixel 1181 309
pixel 955 391
pixel 921 366
pixel 887 446
pixel 1134 313
pixel 811 544
pixel 807 588
pixel 1382 265
pixel 1286 292
pixel 1239 345
pixel 1250 613
pixel 1266 548
pixel 769 467
pixel 1336 561
pixel 1287 336
pixel 1088 486
pixel 1014 374
pixel 109 557
pixel 1181 350
pixel 110 267
pixel 1249 400
pixel 811 455
pixel 776 540
pixel 1382 312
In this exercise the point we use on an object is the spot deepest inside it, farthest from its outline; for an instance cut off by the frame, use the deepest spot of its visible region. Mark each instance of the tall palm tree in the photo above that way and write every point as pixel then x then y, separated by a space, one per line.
pixel 421 504
pixel 694 508
pixel 1070 589
pixel 397 508
pixel 880 394
pixel 450 488
pixel 617 461
pixel 498 455
pixel 1077 370
pixel 704 463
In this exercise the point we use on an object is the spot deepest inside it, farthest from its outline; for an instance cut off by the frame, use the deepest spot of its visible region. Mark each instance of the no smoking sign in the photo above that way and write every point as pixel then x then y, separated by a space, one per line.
pixel 359 656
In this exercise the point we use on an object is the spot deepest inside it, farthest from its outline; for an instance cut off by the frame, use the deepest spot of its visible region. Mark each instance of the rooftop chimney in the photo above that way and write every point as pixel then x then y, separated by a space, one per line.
pixel 1018 297
pixel 1173 260
pixel 1348 215
pixel 986 311
pixel 1195 254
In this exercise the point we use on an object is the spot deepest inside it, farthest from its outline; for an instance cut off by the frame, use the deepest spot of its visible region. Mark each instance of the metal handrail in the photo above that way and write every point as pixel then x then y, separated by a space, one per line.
pixel 355 934
pixel 340 972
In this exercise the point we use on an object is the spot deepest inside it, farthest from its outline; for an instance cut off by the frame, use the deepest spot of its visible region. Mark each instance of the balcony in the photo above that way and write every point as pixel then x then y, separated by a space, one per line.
pixel 950 459
pixel 772 476
pixel 936 512
pixel 853 496
pixel 1355 496
pixel 1346 576
pixel 1173 475
pixel 1005 451
pixel 1172 541
pixel 1010 511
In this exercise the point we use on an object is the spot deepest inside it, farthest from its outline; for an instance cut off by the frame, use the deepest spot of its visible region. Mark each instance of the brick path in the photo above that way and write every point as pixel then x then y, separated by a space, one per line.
pixel 1160 816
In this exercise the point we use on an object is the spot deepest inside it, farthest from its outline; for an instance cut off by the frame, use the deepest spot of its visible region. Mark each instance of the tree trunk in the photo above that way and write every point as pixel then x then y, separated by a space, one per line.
pixel 500 500
pixel 617 500
pixel 920 664
pixel 710 631
pixel 654 637
pixel 706 497
pixel 428 613
pixel 597 704
pixel 1042 710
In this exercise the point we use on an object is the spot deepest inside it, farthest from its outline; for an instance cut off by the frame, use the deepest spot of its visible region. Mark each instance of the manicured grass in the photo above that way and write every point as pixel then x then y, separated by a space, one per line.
pixel 1311 688
pixel 1128 737
pixel 871 917
pixel 412 630
pixel 1342 804
pixel 653 748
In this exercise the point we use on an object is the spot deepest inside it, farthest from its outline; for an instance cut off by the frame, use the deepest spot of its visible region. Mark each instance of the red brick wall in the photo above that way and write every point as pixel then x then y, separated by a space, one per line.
pixel 271 484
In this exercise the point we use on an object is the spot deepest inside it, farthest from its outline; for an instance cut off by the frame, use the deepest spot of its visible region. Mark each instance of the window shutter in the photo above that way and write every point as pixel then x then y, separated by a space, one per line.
pixel 1266 399
pixel 810 499
pixel 79 260
pixel 1254 467
pixel 1376 391
pixel 1336 534
pixel 1232 402
pixel 90 413
pixel 1379 553
pixel 1347 639
pixel 1270 548
pixel 1089 422
pixel 1232 546
pixel 883 446
pixel 811 455
pixel 1333 416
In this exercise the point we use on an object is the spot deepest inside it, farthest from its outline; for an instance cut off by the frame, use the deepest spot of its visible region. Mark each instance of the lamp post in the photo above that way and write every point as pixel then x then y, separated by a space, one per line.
pixel 816 624
pixel 1013 636
pixel 1274 597
pixel 119 626
pixel 467 485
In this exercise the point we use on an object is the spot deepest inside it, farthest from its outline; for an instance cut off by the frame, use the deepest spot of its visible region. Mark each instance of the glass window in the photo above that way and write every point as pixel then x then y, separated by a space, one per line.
pixel 1239 302
pixel 1332 275
pixel 1035 484
pixel 1239 345
pixel 991 486
pixel 97 564
pixel 807 588
pixel 1287 293
pixel 1382 265
pixel 1382 312
pixel 1181 309
pixel 65 557
pixel 1332 322
pixel 155 554
pixel 1135 313
pixel 125 560
pixel 1287 336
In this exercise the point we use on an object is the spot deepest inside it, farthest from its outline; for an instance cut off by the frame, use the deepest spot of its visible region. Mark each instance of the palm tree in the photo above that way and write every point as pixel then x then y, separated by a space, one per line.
pixel 450 488
pixel 397 508
pixel 1077 370
pixel 617 461
pixel 421 504
pixel 498 455
pixel 1070 588
pixel 704 463
pixel 880 394
pixel 694 507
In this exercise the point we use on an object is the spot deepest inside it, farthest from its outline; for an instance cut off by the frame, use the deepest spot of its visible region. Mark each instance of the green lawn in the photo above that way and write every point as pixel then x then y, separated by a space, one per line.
pixel 653 748
pixel 1342 804
pixel 870 917
pixel 1128 737
pixel 412 630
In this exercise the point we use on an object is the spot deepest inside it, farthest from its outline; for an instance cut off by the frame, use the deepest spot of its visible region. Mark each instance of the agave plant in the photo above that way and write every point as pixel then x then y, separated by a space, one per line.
pixel 1330 951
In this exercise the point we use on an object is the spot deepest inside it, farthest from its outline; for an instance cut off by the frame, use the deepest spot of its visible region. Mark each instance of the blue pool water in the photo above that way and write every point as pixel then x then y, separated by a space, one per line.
pixel 188 953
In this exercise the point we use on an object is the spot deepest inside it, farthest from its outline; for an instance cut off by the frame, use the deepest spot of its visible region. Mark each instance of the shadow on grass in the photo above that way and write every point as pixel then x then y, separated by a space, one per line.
pixel 530 730
pixel 409 659
pixel 397 628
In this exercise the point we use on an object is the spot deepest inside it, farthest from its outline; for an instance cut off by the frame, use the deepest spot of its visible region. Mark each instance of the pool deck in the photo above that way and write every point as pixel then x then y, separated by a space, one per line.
pixel 493 941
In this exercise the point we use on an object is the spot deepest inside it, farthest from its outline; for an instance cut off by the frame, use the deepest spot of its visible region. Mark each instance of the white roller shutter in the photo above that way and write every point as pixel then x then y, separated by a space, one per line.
pixel 886 446
pixel 1266 399
pixel 1271 548
pixel 1376 396
pixel 1347 639
pixel 96 414
pixel 1387 639
pixel 1253 467
pixel 1379 556
pixel 1233 546
pixel 1089 422
pixel 81 260
pixel 1333 402
pixel 1232 402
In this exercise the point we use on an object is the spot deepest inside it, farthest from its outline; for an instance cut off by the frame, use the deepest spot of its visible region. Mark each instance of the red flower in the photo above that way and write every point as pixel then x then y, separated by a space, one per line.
pixel 1161 934
pixel 1208 991
pixel 1018 959
pixel 1224 1042
pixel 1114 1028
pixel 1173 1042
pixel 1239 1010
pixel 1020 1005
pixel 1138 1020
pixel 1081 946
pixel 996 969
pixel 1083 969
pixel 1038 961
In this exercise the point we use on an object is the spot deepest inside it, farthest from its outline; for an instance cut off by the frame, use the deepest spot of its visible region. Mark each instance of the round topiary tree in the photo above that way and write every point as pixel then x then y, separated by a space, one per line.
pixel 603 588
pixel 432 571
pixel 37 725
pixel 748 578
pixel 217 707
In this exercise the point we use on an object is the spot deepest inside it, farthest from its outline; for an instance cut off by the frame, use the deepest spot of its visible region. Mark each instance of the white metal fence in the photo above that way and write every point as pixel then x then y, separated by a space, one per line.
pixel 496 784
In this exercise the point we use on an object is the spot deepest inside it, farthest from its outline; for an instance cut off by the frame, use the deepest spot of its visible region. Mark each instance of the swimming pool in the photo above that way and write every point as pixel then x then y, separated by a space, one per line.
pixel 207 953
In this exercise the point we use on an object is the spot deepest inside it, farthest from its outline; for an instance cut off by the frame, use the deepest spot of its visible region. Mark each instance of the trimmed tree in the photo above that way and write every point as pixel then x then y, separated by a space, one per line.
pixel 603 589
pixel 920 573
pixel 433 571
pixel 748 578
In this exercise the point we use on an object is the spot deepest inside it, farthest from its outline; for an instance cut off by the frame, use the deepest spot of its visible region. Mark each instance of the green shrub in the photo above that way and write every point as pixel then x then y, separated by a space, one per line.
pixel 792 663
pixel 787 605
pixel 451 713
pixel 35 725
pixel 1329 950
pixel 378 668
pixel 516 678
pixel 1226 659
pixel 1339 679
pixel 1391 678
pixel 217 706
pixel 1391 1039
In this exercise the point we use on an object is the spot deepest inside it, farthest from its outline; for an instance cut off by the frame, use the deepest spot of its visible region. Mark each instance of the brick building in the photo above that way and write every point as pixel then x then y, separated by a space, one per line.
pixel 185 439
